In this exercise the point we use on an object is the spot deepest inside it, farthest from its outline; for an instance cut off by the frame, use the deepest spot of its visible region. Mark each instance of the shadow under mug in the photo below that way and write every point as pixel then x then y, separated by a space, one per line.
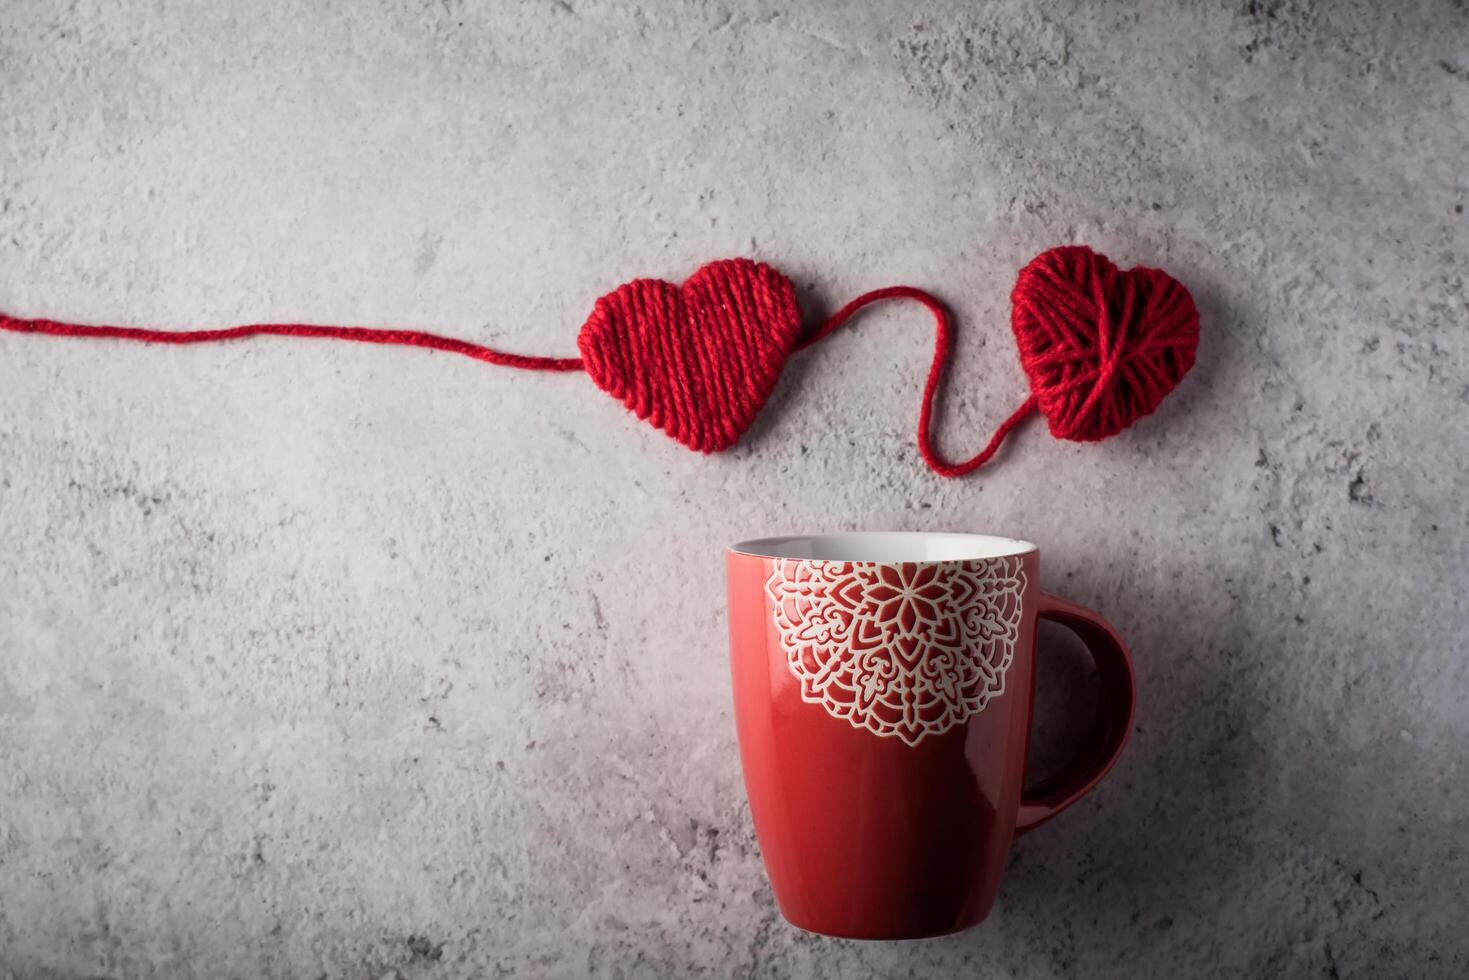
pixel 883 689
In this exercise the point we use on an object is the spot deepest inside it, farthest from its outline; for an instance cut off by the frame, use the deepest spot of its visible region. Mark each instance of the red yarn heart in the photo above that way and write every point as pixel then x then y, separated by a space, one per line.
pixel 1101 346
pixel 697 361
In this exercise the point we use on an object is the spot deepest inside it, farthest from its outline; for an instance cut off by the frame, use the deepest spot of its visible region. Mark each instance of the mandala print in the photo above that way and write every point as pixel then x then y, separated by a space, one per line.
pixel 906 650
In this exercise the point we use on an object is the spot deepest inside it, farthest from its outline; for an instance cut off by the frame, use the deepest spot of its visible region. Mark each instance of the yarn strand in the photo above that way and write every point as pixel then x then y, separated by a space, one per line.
pixel 366 335
pixel 941 343
pixel 415 338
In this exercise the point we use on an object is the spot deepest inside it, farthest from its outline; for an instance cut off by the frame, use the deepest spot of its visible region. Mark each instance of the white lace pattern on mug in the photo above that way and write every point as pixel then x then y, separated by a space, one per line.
pixel 905 650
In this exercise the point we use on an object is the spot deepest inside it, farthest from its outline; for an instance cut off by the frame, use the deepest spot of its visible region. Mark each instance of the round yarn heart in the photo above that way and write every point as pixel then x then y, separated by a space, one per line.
pixel 1102 347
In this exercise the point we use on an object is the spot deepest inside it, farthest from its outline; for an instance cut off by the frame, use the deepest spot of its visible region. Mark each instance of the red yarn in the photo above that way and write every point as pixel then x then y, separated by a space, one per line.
pixel 936 367
pixel 1101 347
pixel 697 360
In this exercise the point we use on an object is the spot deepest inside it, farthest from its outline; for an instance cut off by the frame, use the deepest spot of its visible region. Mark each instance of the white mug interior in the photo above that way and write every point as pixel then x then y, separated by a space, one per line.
pixel 886 546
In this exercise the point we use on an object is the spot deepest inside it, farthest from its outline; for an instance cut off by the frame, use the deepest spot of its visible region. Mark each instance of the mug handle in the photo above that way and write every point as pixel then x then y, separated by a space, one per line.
pixel 1055 793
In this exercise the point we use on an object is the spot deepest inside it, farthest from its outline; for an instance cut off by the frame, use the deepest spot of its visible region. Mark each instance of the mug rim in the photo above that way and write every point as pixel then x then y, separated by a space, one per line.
pixel 885 547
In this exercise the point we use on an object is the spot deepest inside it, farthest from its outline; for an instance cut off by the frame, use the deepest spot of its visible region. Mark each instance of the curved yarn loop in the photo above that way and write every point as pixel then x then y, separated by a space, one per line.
pixel 941 342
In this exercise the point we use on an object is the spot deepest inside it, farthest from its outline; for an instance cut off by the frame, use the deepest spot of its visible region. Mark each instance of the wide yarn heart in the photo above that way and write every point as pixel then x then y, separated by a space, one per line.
pixel 697 360
pixel 1102 346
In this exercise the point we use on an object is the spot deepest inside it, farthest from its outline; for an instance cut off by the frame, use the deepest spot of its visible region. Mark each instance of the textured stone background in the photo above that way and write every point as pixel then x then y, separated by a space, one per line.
pixel 331 661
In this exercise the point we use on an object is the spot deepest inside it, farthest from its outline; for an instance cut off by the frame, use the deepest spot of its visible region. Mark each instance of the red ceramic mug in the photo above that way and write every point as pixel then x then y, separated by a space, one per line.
pixel 883 686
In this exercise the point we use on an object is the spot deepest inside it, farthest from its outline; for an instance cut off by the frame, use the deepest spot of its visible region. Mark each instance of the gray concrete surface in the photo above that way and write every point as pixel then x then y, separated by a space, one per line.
pixel 326 661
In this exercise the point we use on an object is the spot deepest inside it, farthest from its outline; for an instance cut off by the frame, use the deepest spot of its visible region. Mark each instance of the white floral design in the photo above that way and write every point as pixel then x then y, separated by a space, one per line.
pixel 904 649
